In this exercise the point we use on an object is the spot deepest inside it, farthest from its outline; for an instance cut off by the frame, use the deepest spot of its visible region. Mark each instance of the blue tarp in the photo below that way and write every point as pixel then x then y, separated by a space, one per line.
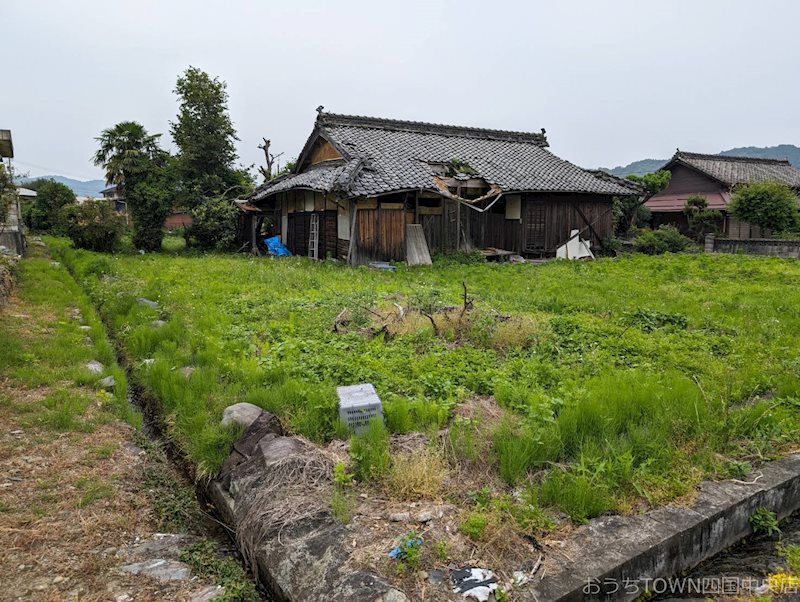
pixel 276 247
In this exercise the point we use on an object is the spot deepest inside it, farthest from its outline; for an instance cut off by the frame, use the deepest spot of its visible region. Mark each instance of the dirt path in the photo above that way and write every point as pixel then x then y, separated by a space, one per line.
pixel 82 493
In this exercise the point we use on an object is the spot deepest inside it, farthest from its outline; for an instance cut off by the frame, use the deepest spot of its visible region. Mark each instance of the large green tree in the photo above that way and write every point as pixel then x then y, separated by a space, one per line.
pixel 771 205
pixel 142 171
pixel 205 137
pixel 44 213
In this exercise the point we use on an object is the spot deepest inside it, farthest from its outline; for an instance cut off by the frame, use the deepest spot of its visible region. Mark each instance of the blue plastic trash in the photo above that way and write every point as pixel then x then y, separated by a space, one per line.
pixel 276 247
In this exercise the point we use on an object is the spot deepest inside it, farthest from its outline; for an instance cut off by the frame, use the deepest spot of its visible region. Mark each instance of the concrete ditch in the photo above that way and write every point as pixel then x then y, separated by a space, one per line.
pixel 610 558
pixel 619 558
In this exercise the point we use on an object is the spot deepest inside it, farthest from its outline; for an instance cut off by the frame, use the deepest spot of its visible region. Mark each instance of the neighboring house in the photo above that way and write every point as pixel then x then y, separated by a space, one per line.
pixel 12 235
pixel 115 199
pixel 715 177
pixel 361 181
pixel 176 219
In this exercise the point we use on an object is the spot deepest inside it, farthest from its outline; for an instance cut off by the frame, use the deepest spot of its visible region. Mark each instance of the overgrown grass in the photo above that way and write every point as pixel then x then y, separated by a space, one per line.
pixel 49 346
pixel 624 379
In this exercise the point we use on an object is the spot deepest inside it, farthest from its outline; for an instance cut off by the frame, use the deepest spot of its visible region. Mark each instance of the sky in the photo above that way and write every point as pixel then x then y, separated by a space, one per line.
pixel 611 81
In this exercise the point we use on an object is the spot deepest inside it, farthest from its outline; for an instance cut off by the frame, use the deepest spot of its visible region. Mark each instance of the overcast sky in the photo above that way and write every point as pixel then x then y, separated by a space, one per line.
pixel 611 81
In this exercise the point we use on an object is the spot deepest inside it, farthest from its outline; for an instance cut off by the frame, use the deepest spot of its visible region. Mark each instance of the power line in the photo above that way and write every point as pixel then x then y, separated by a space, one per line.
pixel 54 171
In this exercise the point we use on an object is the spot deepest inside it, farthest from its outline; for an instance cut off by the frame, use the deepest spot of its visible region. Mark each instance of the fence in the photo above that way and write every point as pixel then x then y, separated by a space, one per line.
pixel 788 249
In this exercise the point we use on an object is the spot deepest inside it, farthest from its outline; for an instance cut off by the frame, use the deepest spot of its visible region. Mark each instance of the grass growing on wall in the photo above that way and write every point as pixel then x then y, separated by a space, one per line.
pixel 624 379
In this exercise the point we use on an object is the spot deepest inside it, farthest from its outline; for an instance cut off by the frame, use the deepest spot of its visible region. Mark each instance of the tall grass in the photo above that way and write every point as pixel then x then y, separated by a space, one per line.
pixel 632 374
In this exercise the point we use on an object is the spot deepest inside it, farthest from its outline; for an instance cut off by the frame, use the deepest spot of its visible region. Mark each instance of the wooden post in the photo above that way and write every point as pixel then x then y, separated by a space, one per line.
pixel 416 207
pixel 458 220
pixel 351 246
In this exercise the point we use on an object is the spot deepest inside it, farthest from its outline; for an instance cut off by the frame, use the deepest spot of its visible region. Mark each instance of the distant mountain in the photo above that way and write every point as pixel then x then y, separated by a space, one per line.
pixel 637 168
pixel 79 187
pixel 645 166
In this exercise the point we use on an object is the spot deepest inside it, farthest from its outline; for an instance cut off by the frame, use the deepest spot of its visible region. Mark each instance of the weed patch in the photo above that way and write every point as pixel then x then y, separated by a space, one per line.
pixel 206 561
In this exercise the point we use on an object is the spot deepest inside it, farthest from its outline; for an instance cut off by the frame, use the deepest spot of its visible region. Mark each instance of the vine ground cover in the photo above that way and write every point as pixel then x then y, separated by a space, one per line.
pixel 623 381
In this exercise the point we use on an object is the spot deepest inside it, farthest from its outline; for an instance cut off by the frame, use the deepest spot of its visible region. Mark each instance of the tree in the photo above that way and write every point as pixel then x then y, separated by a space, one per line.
pixel 150 201
pixel 44 213
pixel 214 225
pixel 700 218
pixel 125 152
pixel 205 137
pixel 771 205
pixel 142 171
pixel 629 211
pixel 94 225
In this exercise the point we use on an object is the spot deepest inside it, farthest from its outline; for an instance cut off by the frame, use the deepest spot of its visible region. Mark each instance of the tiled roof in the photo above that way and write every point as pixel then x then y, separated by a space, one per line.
pixel 740 170
pixel 385 155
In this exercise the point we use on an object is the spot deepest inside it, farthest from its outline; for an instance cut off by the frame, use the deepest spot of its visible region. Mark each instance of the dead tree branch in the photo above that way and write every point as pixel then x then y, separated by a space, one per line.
pixel 270 159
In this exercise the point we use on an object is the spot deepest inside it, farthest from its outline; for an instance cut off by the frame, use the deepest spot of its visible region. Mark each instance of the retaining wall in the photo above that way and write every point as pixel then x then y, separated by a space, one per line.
pixel 788 249
pixel 605 558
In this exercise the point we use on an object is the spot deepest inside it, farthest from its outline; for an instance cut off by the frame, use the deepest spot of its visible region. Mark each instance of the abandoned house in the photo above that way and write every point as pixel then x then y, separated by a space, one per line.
pixel 365 189
pixel 715 177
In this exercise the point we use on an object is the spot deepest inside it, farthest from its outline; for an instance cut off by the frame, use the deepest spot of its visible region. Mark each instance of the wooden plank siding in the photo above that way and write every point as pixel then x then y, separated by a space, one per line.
pixel 299 229
pixel 546 220
pixel 380 234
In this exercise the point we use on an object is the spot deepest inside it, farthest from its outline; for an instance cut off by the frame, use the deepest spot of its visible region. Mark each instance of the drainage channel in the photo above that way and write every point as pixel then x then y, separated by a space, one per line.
pixel 211 526
pixel 742 569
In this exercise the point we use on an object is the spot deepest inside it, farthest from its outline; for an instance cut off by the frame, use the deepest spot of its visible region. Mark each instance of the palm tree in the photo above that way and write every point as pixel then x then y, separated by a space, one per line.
pixel 125 152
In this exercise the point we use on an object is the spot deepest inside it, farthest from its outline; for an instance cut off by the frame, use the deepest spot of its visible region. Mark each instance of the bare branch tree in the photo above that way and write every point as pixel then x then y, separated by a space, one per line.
pixel 270 159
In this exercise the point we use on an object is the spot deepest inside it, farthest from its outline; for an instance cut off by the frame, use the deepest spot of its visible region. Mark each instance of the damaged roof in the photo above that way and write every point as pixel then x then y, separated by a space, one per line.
pixel 380 156
pixel 731 170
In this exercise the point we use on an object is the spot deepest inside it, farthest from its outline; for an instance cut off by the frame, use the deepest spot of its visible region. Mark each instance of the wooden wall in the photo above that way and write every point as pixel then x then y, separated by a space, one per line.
pixel 299 229
pixel 544 223
pixel 555 216
pixel 380 234
pixel 686 180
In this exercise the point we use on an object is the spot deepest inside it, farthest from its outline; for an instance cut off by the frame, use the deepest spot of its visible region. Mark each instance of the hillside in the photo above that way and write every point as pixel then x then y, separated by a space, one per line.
pixel 79 187
pixel 782 151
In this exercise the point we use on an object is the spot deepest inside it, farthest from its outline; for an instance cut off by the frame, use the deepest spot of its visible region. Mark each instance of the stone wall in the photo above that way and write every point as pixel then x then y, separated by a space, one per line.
pixel 6 278
pixel 788 249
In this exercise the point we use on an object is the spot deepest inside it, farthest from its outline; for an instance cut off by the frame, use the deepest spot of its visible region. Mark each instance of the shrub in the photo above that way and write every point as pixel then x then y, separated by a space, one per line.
pixel 771 205
pixel 666 239
pixel 94 225
pixel 214 225
pixel 701 219
pixel 416 476
pixel 370 452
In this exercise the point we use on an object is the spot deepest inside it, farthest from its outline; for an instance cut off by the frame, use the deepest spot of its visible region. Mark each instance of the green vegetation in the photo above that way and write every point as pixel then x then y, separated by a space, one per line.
pixel 94 225
pixel 370 452
pixel 700 218
pixel 44 214
pixel 55 354
pixel 771 205
pixel 206 561
pixel 622 381
pixel 765 522
pixel 410 553
pixel 92 490
pixel 666 239
pixel 791 553
pixel 140 169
